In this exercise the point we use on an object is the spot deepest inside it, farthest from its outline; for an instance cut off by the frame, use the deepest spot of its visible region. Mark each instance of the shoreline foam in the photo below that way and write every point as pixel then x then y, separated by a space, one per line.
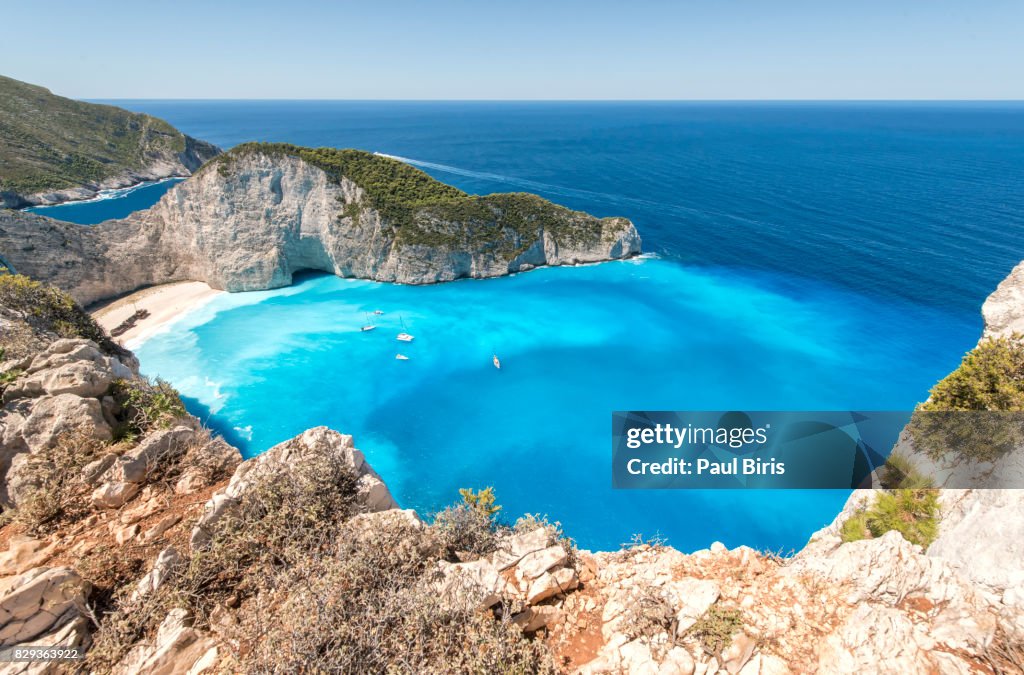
pixel 166 303
pixel 101 195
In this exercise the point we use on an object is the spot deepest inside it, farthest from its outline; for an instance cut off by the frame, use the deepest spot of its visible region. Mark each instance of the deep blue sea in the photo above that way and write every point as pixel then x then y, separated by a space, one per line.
pixel 807 256
pixel 109 203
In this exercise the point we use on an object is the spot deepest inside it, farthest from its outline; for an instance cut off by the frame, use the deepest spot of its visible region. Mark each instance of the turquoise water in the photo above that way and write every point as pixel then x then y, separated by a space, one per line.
pixel 575 344
pixel 811 256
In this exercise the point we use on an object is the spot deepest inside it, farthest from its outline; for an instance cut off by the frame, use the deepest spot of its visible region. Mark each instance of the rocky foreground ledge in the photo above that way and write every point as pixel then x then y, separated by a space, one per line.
pixel 131 533
pixel 256 215
pixel 154 531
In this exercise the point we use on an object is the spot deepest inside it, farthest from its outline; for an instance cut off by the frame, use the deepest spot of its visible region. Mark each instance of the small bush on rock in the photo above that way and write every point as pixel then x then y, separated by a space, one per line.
pixel 899 471
pixel 50 312
pixel 9 376
pixel 482 500
pixel 462 529
pixel 147 405
pixel 715 629
pixel 990 377
pixel 57 493
pixel 912 513
pixel 648 613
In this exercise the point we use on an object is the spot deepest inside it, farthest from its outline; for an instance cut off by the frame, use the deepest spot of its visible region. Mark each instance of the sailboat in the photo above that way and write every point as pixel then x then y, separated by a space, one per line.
pixel 403 336
pixel 369 325
pixel 497 363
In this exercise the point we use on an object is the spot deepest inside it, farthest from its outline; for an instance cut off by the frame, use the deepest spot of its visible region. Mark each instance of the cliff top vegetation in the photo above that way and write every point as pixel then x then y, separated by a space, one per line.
pixel 421 208
pixel 48 142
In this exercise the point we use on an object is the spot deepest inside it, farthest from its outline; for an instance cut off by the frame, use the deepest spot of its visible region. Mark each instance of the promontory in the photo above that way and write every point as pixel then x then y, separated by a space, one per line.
pixel 55 149
pixel 254 216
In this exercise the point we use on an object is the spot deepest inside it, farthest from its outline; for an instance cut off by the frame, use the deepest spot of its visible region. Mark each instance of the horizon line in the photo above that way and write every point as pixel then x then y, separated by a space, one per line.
pixel 564 100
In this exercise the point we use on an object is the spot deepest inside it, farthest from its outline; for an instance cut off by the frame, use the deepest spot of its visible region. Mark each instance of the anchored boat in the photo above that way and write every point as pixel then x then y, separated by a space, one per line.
pixel 403 336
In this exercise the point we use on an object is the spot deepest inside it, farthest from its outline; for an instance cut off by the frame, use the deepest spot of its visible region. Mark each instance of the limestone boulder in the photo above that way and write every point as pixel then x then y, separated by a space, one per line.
pixel 473 585
pixel 53 416
pixel 113 495
pixel 537 563
pixel 515 547
pixel 23 553
pixel 41 602
pixel 157 448
pixel 162 568
pixel 550 584
pixel 691 599
pixel 882 639
pixel 179 649
pixel 320 442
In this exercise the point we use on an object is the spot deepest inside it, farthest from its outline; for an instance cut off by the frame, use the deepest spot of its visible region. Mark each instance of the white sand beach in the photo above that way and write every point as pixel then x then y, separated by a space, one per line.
pixel 165 303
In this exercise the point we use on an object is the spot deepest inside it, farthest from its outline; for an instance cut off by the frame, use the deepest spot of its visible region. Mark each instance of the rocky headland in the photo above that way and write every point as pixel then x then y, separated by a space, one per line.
pixel 55 149
pixel 132 533
pixel 256 215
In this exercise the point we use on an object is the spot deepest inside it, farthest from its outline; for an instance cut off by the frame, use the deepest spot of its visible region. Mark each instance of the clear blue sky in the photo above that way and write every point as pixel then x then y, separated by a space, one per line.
pixel 519 49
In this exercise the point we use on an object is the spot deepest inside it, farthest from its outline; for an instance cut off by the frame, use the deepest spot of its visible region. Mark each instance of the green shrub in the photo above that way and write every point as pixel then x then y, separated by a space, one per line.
pixel 10 376
pixel 990 377
pixel 482 500
pixel 462 529
pixel 714 630
pixel 48 310
pixel 912 513
pixel 146 405
pixel 899 471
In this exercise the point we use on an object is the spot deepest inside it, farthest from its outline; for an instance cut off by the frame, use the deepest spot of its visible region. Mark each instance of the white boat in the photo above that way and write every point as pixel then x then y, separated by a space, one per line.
pixel 401 357
pixel 497 363
pixel 377 312
pixel 403 336
pixel 369 325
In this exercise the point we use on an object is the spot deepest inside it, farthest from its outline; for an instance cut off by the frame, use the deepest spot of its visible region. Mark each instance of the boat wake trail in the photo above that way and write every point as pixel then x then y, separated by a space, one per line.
pixel 533 185
pixel 549 189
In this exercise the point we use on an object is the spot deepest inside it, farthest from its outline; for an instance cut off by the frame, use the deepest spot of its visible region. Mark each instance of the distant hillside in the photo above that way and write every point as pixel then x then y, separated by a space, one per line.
pixel 55 149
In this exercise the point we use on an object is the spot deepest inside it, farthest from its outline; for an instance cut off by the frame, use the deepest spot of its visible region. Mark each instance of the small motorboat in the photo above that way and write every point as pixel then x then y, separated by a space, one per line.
pixel 377 312
pixel 401 357
pixel 497 363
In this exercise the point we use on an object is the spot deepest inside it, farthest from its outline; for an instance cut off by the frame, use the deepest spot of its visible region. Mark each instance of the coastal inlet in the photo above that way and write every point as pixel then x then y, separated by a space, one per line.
pixel 575 343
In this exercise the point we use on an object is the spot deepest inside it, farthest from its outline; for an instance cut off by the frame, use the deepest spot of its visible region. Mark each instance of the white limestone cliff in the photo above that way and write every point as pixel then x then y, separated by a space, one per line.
pixel 252 222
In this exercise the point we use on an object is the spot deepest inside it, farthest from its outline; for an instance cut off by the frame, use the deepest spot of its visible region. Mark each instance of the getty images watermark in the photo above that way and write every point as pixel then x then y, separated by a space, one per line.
pixel 816 450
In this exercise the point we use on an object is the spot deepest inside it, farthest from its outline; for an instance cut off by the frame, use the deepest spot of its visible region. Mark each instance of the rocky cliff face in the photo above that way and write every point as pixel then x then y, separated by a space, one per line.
pixel 1004 309
pixel 251 221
